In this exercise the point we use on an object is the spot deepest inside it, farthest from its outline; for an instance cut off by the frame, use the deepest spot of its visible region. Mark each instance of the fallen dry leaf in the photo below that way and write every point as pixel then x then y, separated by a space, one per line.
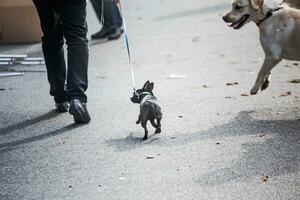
pixel 288 93
pixel 264 179
pixel 195 39
pixel 205 86
pixel 295 81
pixel 262 135
pixel 150 157
pixel 230 84
pixel 244 95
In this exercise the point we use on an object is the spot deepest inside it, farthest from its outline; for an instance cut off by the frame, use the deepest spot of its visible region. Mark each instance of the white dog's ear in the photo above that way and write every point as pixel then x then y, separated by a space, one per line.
pixel 256 4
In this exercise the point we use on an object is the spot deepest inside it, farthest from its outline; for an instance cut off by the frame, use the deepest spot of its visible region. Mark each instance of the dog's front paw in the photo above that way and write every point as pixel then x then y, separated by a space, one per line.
pixel 145 138
pixel 254 91
pixel 158 130
pixel 266 82
pixel 265 85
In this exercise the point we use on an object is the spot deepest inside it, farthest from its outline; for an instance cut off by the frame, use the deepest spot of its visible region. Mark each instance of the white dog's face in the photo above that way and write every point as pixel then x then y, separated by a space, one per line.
pixel 243 11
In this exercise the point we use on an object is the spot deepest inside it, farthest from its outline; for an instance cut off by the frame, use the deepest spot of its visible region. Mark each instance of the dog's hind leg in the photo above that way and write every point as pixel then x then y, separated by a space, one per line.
pixel 144 125
pixel 158 129
pixel 266 82
pixel 268 65
pixel 139 120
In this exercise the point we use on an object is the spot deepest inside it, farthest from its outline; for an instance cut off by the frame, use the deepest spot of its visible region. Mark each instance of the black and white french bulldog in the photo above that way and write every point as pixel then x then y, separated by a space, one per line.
pixel 149 108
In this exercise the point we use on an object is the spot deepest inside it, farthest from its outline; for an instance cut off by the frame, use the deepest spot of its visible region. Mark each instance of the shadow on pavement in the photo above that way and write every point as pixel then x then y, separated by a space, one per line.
pixel 24 124
pixel 285 132
pixel 5 147
pixel 132 142
pixel 277 153
pixel 273 150
pixel 193 12
pixel 96 42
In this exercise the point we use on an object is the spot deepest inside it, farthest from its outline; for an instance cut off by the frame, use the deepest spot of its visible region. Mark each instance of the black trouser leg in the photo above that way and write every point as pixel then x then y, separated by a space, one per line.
pixel 116 15
pixel 97 5
pixel 112 16
pixel 73 19
pixel 111 13
pixel 53 49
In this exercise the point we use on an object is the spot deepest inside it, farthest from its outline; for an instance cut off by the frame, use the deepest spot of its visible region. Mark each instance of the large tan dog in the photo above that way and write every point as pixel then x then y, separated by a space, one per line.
pixel 292 3
pixel 279 32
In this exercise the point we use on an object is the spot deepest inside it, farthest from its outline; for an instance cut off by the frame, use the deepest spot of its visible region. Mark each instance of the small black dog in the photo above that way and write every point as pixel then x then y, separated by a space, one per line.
pixel 149 108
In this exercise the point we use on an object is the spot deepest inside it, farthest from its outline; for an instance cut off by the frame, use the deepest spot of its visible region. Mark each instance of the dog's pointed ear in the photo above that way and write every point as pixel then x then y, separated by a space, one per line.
pixel 150 86
pixel 256 4
pixel 146 85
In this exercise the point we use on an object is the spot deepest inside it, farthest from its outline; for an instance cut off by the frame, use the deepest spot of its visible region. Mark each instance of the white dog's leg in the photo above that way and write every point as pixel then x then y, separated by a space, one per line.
pixel 263 76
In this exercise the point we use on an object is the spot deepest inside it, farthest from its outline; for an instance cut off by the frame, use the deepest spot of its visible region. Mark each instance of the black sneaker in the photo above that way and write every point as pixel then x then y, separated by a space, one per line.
pixel 62 107
pixel 79 111
pixel 116 34
pixel 102 34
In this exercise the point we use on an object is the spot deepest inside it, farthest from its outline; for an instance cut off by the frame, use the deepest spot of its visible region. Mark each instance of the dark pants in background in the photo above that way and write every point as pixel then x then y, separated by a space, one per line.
pixel 108 12
pixel 65 19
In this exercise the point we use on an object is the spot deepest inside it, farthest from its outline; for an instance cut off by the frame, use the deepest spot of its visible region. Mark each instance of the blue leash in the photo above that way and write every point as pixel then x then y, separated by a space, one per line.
pixel 128 47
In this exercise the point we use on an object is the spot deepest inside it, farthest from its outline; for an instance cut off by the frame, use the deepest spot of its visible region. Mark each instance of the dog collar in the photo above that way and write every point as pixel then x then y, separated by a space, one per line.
pixel 145 93
pixel 268 15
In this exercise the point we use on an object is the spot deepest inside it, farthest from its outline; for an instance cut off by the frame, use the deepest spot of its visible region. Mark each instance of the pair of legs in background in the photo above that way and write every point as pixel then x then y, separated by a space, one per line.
pixel 109 15
pixel 66 19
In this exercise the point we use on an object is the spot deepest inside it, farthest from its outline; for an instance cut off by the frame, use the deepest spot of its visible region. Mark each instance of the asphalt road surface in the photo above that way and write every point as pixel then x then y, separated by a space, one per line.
pixel 215 143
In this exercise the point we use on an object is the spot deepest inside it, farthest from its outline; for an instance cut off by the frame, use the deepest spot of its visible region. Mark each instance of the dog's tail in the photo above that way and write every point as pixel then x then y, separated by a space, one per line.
pixel 292 3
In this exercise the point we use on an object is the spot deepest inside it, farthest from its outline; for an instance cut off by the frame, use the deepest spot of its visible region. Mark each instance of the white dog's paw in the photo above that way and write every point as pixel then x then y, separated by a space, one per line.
pixel 265 85
pixel 266 82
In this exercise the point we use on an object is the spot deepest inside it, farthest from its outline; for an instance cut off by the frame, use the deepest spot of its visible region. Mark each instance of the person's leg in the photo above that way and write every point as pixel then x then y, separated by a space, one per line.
pixel 104 18
pixel 53 49
pixel 72 15
pixel 97 5
pixel 73 20
pixel 108 13
pixel 115 20
pixel 112 21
